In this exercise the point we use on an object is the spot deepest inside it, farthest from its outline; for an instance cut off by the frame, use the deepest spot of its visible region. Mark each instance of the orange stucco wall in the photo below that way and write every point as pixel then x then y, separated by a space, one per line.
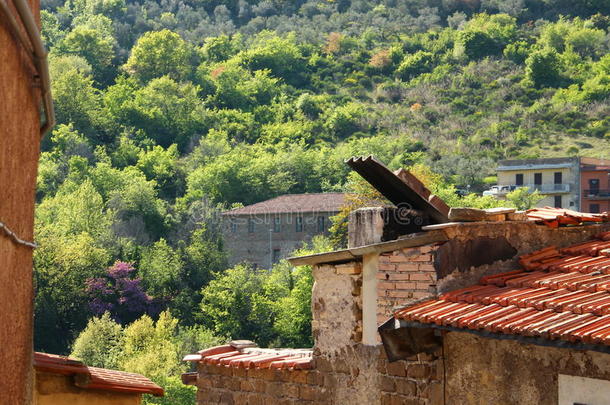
pixel 604 184
pixel 53 389
pixel 19 148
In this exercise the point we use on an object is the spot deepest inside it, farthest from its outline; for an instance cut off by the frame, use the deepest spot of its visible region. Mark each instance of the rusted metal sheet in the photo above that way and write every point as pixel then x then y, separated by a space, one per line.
pixel 401 188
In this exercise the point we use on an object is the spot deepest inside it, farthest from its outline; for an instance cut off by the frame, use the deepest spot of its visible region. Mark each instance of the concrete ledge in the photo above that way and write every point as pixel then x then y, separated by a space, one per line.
pixel 417 239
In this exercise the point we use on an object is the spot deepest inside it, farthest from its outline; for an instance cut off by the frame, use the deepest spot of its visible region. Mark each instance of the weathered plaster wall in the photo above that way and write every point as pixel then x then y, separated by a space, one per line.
pixel 467 257
pixel 336 306
pixel 483 371
pixel 19 147
pixel 53 389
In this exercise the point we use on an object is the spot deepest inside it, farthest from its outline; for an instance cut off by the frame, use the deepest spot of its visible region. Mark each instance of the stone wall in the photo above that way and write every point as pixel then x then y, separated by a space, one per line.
pixel 483 371
pixel 257 247
pixel 356 374
pixel 19 147
pixel 344 370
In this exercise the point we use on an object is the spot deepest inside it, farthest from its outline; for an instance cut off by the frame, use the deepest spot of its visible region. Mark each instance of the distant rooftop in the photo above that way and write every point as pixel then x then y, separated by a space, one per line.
pixel 550 163
pixel 293 203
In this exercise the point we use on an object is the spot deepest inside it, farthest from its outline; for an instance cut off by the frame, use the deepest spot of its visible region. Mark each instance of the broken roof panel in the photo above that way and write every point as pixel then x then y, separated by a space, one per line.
pixel 400 187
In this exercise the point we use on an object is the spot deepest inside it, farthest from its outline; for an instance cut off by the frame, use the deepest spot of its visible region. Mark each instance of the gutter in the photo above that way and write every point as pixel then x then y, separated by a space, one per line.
pixel 38 54
pixel 402 339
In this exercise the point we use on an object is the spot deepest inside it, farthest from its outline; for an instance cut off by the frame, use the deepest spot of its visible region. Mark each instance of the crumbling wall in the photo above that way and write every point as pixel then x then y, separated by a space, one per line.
pixel 492 371
pixel 19 147
pixel 344 370
pixel 467 256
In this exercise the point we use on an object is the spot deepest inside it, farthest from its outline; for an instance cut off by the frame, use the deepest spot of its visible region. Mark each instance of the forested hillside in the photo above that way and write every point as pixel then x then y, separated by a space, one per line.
pixel 170 111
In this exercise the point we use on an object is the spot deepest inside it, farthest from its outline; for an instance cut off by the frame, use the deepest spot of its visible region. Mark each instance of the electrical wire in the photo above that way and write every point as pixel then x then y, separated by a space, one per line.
pixel 16 239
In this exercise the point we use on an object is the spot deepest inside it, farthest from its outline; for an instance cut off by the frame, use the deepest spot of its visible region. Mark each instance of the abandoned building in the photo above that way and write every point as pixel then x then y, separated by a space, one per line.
pixel 439 306
pixel 268 231
pixel 60 380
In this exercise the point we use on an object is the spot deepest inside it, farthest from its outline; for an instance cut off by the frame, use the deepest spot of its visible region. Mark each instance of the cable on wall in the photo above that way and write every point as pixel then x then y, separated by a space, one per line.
pixel 16 239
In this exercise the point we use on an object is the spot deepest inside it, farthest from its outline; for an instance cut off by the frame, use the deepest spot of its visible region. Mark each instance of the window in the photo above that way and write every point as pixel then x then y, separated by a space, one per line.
pixel 233 226
pixel 276 255
pixel 558 178
pixel 594 208
pixel 277 224
pixel 299 224
pixel 321 224
pixel 250 225
pixel 537 179
pixel 519 179
pixel 593 186
pixel 558 201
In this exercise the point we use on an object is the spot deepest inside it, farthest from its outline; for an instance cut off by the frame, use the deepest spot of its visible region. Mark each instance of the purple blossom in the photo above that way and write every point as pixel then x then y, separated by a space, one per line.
pixel 120 293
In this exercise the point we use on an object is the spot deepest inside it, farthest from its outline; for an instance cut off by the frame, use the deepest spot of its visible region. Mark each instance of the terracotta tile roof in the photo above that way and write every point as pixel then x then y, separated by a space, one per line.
pixel 254 357
pixel 560 294
pixel 555 217
pixel 289 203
pixel 94 377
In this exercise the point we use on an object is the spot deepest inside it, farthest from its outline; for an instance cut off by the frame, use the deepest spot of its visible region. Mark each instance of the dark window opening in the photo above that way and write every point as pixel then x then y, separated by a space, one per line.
pixel 321 224
pixel 250 226
pixel 537 179
pixel 277 224
pixel 558 201
pixel 276 255
pixel 594 208
pixel 233 227
pixel 558 177
pixel 519 179
pixel 593 186
pixel 299 224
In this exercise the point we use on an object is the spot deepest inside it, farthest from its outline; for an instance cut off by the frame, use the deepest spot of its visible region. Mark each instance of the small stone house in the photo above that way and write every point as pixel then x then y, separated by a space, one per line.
pixel 268 231
pixel 61 381
pixel 475 308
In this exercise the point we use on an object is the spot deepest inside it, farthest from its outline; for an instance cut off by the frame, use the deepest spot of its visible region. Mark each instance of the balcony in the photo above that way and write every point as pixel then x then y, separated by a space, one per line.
pixel 502 190
pixel 596 194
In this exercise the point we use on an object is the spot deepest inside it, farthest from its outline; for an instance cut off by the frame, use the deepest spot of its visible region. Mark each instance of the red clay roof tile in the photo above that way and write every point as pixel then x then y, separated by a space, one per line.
pixel 560 295
pixel 254 357
pixel 96 378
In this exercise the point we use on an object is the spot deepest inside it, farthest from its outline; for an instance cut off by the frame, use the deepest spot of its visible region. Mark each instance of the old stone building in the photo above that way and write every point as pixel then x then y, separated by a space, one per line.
pixel 495 308
pixel 23 90
pixel 268 231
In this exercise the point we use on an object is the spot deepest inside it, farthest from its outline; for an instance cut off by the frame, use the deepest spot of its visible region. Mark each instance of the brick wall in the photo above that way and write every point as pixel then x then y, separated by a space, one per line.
pixel 404 276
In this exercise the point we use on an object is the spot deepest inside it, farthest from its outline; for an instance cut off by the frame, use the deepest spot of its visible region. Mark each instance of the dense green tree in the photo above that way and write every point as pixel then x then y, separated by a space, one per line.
pixel 159 54
pixel 100 343
pixel 544 68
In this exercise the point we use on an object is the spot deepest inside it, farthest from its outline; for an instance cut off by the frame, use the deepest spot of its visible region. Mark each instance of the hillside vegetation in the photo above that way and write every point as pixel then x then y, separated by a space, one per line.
pixel 171 111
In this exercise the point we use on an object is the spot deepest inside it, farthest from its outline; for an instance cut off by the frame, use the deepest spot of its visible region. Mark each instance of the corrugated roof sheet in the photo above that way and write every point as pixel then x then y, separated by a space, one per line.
pixel 559 294
pixel 254 357
pixel 96 378
pixel 293 203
